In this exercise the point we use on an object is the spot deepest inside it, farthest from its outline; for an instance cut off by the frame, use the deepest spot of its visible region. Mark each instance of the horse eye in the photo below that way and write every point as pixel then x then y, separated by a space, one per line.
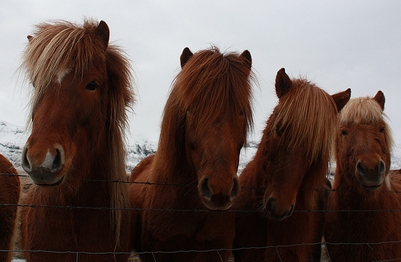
pixel 344 133
pixel 382 130
pixel 91 86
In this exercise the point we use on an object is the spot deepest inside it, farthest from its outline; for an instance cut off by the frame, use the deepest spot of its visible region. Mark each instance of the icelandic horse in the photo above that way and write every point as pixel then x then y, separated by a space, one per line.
pixel 9 199
pixel 278 213
pixel 180 191
pixel 364 219
pixel 76 210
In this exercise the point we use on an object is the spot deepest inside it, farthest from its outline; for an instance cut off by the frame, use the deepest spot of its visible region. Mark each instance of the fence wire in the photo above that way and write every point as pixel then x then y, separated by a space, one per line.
pixel 153 253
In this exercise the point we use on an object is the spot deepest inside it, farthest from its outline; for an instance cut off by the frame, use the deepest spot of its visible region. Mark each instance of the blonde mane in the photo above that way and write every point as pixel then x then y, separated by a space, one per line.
pixel 57 48
pixel 308 113
pixel 366 110
pixel 62 47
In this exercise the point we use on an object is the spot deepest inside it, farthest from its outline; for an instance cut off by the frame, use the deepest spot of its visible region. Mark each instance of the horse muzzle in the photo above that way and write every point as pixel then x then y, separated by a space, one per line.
pixel 371 176
pixel 44 169
pixel 218 199
pixel 274 210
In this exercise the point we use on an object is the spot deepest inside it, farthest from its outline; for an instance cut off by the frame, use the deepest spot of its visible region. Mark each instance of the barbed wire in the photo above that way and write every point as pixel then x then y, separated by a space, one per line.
pixel 189 184
pixel 197 210
pixel 211 250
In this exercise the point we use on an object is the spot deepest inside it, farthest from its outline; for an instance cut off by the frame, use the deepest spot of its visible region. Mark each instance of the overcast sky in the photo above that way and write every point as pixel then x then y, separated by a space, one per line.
pixel 336 44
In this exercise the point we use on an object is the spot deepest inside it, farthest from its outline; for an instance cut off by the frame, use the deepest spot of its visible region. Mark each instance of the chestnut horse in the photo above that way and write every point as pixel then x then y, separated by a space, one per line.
pixel 9 198
pixel 277 211
pixel 194 171
pixel 75 154
pixel 364 222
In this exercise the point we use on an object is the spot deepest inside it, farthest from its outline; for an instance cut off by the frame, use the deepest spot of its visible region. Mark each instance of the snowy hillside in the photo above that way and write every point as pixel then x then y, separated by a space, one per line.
pixel 13 138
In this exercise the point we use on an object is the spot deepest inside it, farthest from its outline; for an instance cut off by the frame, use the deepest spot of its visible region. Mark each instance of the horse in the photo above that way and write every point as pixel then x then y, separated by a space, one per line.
pixel 278 214
pixel 363 220
pixel 76 209
pixel 9 199
pixel 194 170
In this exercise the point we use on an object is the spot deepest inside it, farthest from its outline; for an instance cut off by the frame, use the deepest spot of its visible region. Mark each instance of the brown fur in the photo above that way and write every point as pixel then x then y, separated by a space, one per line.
pixel 287 173
pixel 370 231
pixel 205 123
pixel 9 198
pixel 61 60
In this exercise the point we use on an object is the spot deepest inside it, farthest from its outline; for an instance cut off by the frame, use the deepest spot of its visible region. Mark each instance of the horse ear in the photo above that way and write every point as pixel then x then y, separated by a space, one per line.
pixel 246 56
pixel 342 98
pixel 185 56
pixel 379 97
pixel 283 83
pixel 103 32
pixel 30 38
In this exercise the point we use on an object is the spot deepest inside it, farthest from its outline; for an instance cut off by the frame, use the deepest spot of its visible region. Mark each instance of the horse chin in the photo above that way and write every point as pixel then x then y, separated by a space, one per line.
pixel 371 185
pixel 216 206
pixel 273 216
pixel 52 183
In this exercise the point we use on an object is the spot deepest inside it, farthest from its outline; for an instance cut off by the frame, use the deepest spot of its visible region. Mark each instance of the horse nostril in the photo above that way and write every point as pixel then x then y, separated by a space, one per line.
pixel 207 194
pixel 25 162
pixel 382 167
pixel 270 205
pixel 361 169
pixel 235 190
pixel 290 211
pixel 57 162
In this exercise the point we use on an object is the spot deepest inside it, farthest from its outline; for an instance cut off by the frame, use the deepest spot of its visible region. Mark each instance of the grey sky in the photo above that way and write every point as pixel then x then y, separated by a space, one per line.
pixel 336 44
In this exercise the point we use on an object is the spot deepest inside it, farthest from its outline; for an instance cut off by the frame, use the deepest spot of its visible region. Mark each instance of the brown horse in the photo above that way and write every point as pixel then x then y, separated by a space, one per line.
pixel 75 154
pixel 194 170
pixel 9 198
pixel 364 222
pixel 277 218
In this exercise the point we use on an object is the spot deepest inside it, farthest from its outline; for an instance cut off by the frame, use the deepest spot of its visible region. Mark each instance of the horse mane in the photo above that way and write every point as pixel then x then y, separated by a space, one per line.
pixel 59 47
pixel 303 113
pixel 366 110
pixel 208 78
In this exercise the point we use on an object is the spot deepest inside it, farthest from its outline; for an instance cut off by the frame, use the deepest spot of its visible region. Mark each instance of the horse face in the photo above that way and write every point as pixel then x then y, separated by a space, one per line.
pixel 363 143
pixel 66 125
pixel 296 143
pixel 289 166
pixel 214 153
pixel 365 148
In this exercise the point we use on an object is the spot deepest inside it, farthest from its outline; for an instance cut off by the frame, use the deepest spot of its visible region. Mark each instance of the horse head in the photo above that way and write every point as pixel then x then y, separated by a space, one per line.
pixel 297 142
pixel 78 82
pixel 206 120
pixel 364 141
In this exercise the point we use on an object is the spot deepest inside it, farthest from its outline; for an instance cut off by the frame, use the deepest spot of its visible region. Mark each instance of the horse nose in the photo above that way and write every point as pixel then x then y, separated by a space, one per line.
pixel 273 211
pixel 218 200
pixel 371 176
pixel 43 167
